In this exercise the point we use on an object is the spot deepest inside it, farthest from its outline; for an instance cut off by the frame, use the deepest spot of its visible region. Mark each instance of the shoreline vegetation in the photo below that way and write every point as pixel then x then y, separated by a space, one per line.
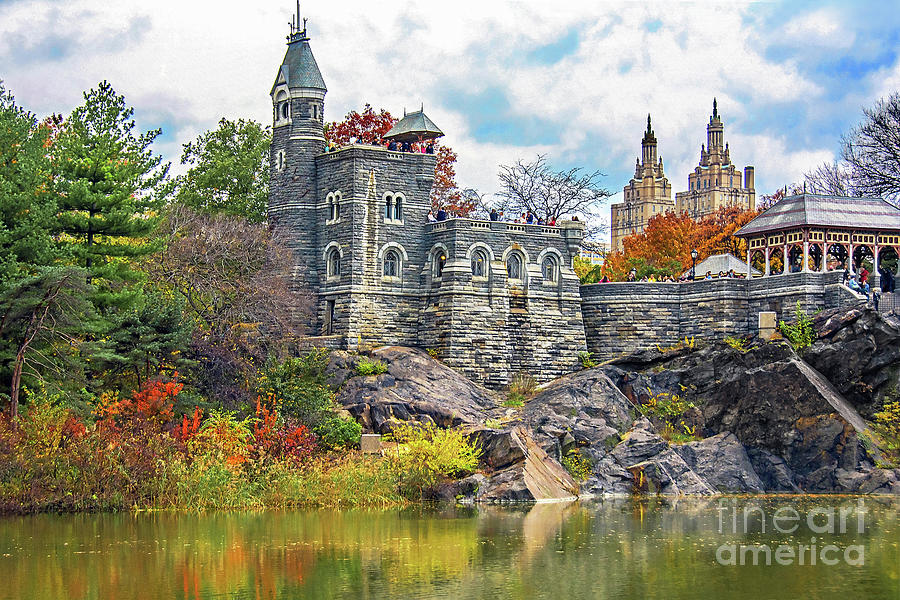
pixel 294 450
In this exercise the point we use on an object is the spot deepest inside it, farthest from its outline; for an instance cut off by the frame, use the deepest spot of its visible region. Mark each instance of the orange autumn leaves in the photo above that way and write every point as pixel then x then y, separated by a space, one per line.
pixel 664 247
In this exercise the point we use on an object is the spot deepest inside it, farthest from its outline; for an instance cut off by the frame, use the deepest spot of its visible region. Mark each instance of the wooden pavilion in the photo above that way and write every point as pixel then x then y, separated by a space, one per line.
pixel 818 233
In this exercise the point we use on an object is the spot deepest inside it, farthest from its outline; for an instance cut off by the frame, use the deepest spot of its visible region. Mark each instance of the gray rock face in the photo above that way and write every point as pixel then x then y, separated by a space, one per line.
pixel 799 431
pixel 722 462
pixel 415 387
pixel 858 351
pixel 582 409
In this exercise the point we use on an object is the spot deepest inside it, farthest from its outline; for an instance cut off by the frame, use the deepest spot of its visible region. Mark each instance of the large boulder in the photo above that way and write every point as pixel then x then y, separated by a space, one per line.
pixel 799 432
pixel 584 409
pixel 415 387
pixel 655 467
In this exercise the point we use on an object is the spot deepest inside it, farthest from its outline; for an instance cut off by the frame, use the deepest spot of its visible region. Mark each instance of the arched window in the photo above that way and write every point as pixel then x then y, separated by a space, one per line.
pixel 549 269
pixel 391 266
pixel 398 208
pixel 333 265
pixel 334 206
pixel 280 162
pixel 515 267
pixel 440 259
pixel 285 109
pixel 388 208
pixel 479 264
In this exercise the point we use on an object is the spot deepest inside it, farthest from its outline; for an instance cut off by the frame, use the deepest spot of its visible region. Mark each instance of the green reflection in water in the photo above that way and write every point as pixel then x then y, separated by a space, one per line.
pixel 609 549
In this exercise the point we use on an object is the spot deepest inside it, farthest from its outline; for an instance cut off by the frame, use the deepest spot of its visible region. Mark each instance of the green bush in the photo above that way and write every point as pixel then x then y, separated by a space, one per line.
pixel 800 334
pixel 427 456
pixel 887 429
pixel 336 431
pixel 587 360
pixel 578 466
pixel 367 366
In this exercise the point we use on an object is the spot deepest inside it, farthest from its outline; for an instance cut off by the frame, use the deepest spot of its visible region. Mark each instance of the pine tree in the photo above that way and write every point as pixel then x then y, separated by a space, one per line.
pixel 109 198
pixel 27 205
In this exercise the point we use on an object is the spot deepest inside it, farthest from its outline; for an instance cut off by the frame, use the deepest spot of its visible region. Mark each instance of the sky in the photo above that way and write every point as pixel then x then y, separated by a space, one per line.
pixel 504 80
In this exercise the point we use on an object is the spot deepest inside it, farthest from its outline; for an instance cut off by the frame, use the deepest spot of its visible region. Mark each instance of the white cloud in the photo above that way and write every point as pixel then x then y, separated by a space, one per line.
pixel 187 64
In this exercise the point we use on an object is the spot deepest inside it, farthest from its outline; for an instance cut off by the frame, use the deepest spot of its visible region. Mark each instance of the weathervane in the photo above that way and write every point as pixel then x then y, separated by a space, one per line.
pixel 297 34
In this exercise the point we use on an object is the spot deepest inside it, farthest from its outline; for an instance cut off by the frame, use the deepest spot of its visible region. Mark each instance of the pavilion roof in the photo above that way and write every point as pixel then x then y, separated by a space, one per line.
pixel 413 126
pixel 816 210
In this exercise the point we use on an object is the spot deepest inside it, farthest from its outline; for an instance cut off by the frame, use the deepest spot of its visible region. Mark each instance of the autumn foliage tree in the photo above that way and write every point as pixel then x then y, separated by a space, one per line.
pixel 664 247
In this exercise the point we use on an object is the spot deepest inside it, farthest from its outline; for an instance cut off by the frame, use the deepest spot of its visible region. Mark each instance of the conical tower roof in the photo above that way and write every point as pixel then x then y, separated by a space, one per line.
pixel 299 68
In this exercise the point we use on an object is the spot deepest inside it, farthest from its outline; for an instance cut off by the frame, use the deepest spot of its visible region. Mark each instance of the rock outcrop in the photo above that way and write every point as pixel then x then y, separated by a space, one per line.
pixel 415 387
pixel 770 420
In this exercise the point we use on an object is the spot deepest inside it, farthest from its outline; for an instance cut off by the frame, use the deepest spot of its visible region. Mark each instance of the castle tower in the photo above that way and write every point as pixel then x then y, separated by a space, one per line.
pixel 298 102
pixel 715 181
pixel 648 194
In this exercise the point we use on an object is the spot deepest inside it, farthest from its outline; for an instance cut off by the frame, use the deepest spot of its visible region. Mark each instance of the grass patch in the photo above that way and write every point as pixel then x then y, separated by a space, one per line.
pixel 687 342
pixel 521 389
pixel 367 366
pixel 738 344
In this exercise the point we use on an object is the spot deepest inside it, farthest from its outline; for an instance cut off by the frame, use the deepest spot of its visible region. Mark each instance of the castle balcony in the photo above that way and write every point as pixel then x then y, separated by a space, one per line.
pixel 475 225
pixel 566 236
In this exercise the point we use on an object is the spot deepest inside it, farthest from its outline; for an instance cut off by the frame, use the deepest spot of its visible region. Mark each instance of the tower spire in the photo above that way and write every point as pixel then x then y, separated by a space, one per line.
pixel 715 109
pixel 648 124
pixel 297 34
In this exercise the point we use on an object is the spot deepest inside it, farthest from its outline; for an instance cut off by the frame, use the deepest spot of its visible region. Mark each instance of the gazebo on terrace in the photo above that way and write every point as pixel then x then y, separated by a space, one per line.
pixel 818 233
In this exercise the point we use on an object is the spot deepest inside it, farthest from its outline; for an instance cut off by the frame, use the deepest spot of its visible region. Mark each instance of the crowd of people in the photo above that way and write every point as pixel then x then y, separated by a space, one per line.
pixel 426 147
pixel 861 284
pixel 526 218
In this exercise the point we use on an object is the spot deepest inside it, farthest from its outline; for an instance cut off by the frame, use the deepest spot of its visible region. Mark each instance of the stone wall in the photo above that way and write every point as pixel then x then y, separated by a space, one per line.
pixel 492 327
pixel 625 317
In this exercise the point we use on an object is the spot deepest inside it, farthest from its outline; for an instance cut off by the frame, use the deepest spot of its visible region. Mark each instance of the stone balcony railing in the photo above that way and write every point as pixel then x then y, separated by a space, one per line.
pixel 500 226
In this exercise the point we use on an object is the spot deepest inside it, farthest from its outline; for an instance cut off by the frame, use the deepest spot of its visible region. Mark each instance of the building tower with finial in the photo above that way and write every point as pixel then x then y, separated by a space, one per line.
pixel 716 182
pixel 298 103
pixel 648 194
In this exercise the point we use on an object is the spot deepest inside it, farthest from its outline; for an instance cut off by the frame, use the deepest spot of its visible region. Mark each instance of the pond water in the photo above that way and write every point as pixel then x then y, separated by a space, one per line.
pixel 604 549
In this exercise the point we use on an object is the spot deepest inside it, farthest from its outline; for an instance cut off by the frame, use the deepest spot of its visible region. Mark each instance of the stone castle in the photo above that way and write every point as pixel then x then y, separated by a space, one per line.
pixel 715 182
pixel 491 299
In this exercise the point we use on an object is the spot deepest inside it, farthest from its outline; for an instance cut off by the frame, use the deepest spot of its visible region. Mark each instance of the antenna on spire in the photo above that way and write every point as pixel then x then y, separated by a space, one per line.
pixel 297 34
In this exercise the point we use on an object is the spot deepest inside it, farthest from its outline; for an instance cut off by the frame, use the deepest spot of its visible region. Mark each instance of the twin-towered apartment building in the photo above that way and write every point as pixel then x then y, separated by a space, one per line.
pixel 714 182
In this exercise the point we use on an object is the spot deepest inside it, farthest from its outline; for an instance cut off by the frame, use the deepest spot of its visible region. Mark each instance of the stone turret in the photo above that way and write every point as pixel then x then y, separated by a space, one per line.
pixel 298 103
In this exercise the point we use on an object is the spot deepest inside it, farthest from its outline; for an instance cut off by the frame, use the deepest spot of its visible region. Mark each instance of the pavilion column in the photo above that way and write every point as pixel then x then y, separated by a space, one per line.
pixel 850 260
pixel 784 266
pixel 875 260
pixel 824 258
pixel 768 268
pixel 749 268
pixel 805 268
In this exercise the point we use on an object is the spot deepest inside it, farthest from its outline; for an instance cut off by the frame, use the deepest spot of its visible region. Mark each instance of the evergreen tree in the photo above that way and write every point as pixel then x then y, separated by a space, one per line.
pixel 43 318
pixel 109 182
pixel 146 338
pixel 27 205
pixel 229 171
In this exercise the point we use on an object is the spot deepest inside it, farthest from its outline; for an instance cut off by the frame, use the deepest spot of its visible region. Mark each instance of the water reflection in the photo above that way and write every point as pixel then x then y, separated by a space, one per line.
pixel 620 548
